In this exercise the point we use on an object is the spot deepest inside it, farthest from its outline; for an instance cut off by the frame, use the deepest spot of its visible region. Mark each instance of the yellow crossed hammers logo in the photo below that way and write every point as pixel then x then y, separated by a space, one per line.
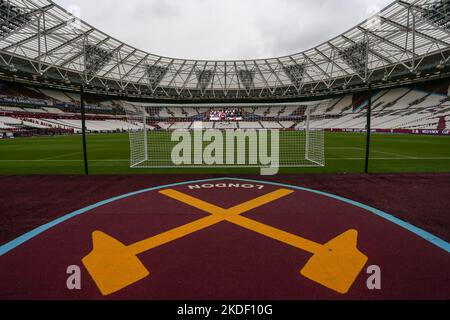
pixel 114 266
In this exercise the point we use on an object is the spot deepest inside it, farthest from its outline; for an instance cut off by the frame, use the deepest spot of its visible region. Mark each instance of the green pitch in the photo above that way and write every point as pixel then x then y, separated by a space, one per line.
pixel 109 154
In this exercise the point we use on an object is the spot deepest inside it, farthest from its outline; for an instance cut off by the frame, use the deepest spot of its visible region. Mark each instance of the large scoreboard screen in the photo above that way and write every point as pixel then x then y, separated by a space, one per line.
pixel 225 114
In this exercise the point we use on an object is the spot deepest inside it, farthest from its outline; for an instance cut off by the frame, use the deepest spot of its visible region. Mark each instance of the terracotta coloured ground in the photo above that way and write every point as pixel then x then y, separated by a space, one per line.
pixel 272 246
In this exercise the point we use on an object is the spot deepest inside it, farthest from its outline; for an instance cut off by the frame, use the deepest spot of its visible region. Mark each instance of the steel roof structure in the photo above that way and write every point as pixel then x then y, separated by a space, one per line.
pixel 41 42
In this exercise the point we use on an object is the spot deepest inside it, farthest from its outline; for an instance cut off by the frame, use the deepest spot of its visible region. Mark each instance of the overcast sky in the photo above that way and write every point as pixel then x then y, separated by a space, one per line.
pixel 224 29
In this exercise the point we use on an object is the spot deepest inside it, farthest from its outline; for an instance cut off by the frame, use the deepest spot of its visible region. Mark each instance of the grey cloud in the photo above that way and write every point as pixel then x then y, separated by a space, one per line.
pixel 156 10
pixel 224 29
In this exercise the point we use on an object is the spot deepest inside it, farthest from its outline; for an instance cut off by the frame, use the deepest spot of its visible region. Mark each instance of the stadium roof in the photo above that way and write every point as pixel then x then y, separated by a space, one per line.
pixel 44 43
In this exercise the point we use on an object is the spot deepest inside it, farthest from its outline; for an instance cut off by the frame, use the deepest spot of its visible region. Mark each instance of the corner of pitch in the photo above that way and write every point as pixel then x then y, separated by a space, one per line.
pixel 231 147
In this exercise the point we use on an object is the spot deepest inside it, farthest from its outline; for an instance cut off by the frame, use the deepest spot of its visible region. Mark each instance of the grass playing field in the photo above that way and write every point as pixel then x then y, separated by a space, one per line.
pixel 109 154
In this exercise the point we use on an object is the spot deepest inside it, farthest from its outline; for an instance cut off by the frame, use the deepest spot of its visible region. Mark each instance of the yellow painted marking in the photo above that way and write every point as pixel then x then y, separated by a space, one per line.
pixel 236 210
pixel 217 215
pixel 174 234
pixel 276 234
pixel 336 264
pixel 114 266
pixel 232 215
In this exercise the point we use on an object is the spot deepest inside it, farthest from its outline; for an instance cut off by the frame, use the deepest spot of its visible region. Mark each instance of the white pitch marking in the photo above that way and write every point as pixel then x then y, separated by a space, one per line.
pixel 374 151
pixel 126 160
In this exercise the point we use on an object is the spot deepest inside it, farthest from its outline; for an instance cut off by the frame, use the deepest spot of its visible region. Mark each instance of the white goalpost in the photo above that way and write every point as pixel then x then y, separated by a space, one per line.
pixel 226 135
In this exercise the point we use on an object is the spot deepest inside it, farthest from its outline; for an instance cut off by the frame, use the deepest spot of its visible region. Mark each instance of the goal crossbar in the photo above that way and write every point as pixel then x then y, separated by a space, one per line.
pixel 225 135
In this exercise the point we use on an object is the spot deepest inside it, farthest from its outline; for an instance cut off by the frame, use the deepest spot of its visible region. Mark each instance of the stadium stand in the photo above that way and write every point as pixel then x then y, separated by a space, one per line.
pixel 419 107
pixel 226 125
pixel 56 95
pixel 250 125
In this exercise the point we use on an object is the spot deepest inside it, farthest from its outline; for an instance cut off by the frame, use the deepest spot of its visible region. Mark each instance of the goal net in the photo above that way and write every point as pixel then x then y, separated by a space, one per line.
pixel 226 135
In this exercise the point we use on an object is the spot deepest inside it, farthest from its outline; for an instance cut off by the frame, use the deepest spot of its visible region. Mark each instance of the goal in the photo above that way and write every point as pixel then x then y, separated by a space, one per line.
pixel 226 135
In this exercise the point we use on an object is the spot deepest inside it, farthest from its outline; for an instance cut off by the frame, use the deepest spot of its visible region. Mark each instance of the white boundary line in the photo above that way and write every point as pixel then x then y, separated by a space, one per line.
pixel 224 166
pixel 61 156
pixel 374 151
pixel 409 158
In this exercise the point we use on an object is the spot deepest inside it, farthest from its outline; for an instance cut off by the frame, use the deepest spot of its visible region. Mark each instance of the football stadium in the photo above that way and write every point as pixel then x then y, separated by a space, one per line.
pixel 126 175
